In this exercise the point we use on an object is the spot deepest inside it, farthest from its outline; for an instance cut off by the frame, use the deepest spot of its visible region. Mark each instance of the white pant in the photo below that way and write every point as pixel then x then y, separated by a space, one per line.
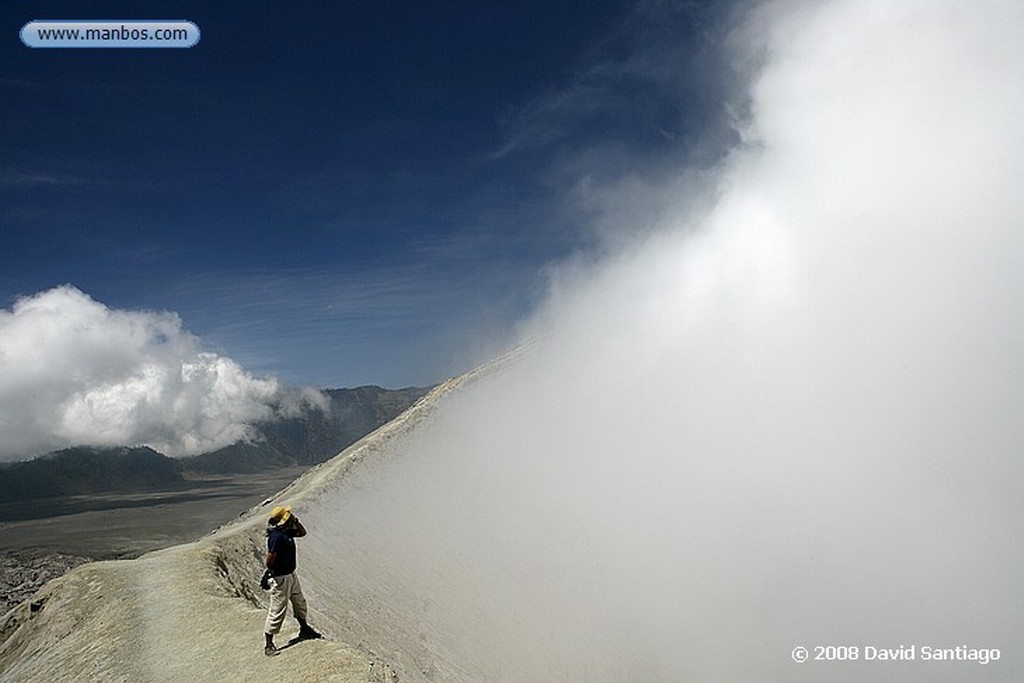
pixel 284 589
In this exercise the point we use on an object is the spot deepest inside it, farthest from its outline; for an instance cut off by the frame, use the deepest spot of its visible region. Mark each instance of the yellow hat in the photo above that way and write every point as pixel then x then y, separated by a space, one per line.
pixel 280 515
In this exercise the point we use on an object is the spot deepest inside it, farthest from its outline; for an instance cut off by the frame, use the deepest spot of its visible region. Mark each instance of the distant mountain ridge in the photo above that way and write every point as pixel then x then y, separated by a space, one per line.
pixel 306 439
pixel 84 470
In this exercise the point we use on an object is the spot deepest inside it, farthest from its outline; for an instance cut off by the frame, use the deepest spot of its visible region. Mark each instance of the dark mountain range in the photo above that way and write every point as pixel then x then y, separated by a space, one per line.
pixel 307 439
pixel 83 470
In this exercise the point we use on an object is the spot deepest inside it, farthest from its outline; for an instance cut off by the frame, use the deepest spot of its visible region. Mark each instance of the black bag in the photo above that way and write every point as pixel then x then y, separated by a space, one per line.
pixel 265 580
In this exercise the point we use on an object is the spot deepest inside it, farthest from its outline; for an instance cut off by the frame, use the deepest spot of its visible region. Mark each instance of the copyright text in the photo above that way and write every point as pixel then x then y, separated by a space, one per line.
pixel 903 653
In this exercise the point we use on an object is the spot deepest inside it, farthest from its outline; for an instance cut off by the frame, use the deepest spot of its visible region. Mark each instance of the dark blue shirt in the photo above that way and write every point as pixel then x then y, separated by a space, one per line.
pixel 283 546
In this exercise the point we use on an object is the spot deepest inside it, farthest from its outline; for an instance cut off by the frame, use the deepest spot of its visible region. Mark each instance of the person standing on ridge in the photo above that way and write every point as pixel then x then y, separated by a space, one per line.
pixel 282 529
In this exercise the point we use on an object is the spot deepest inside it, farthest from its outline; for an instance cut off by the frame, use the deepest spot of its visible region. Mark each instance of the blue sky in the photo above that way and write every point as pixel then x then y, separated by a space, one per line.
pixel 340 193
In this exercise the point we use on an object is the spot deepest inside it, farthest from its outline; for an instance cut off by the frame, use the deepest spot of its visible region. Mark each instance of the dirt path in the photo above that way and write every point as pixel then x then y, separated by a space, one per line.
pixel 196 632
pixel 168 616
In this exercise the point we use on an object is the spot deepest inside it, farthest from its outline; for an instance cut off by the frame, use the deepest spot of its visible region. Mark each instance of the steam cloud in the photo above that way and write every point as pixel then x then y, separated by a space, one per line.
pixel 792 420
pixel 74 372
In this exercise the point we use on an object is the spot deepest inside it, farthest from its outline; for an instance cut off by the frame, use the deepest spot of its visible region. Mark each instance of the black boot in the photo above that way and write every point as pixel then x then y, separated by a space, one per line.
pixel 307 632
pixel 269 649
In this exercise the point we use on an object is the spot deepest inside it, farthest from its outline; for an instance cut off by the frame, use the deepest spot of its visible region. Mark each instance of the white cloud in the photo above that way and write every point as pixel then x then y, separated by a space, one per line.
pixel 75 372
pixel 792 420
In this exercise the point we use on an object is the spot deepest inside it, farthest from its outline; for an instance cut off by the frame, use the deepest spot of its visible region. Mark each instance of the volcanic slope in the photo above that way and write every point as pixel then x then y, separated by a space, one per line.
pixel 194 612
